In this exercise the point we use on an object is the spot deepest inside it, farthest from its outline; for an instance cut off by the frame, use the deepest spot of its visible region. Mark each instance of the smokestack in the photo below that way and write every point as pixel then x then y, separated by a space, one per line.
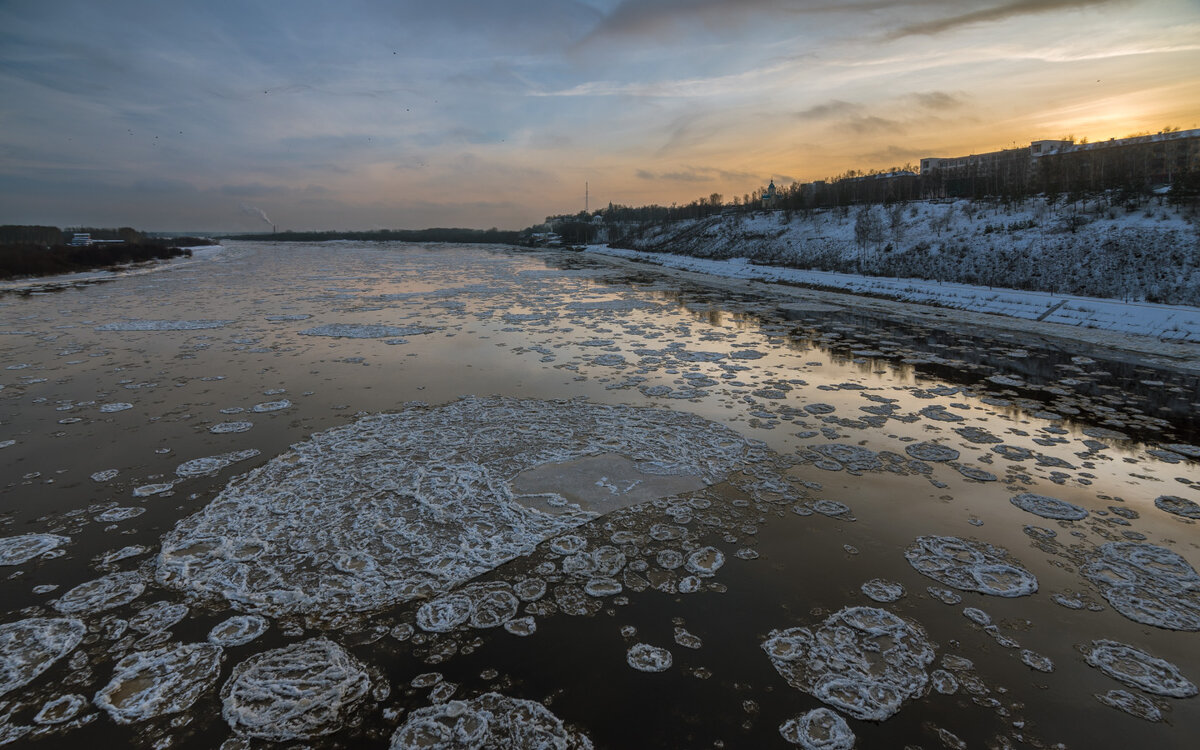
pixel 274 229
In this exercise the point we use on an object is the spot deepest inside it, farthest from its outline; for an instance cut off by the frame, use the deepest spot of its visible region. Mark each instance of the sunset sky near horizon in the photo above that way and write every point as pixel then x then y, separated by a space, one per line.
pixel 369 114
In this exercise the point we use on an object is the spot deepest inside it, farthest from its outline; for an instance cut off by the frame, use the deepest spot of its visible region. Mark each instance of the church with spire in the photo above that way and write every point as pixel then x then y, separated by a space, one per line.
pixel 771 197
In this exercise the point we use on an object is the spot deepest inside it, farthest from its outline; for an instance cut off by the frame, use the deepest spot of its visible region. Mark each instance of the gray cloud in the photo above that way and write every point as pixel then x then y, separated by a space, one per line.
pixel 697 174
pixel 831 108
pixel 688 176
pixel 684 131
pixel 938 100
pixel 658 17
pixel 993 12
pixel 253 190
pixel 894 155
pixel 870 124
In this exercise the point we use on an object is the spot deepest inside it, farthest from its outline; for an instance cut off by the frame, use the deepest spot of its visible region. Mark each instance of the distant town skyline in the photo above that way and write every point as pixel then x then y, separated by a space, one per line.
pixel 235 115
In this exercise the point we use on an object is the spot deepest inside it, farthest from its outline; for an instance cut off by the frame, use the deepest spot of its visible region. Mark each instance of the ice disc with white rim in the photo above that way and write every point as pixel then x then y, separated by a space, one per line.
pixel 492 720
pixel 1139 669
pixel 163 681
pixel 863 660
pixel 28 647
pixel 819 729
pixel 646 658
pixel 101 594
pixel 1147 583
pixel 970 566
pixel 1048 507
pixel 1179 506
pixel 299 692
pixel 18 550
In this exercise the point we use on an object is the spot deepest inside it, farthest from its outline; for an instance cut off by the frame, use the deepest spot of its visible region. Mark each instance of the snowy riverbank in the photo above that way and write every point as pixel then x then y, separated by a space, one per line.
pixel 1170 322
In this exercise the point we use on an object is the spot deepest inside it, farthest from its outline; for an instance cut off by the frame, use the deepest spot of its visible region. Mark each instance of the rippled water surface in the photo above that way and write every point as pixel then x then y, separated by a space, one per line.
pixel 395 496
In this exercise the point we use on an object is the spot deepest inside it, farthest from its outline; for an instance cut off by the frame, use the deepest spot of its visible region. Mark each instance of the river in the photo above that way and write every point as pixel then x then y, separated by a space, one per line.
pixel 361 495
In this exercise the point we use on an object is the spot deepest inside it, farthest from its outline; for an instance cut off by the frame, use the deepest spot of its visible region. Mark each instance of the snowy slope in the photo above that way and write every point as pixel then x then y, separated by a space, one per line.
pixel 1142 250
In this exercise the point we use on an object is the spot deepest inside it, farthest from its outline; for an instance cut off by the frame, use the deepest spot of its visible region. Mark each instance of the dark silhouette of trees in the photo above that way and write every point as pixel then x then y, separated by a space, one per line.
pixel 437 234
pixel 12 234
pixel 19 260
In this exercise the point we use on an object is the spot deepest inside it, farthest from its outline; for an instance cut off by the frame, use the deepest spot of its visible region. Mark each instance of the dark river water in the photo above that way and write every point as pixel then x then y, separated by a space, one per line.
pixel 350 495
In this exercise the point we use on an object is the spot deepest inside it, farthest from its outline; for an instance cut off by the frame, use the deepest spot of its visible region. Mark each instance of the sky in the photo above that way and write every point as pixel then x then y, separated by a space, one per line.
pixel 230 115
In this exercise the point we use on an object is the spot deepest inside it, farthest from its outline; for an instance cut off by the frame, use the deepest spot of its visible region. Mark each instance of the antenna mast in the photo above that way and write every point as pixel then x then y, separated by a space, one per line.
pixel 585 197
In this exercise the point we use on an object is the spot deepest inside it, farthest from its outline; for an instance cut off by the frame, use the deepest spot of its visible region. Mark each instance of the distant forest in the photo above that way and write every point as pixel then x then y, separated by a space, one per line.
pixel 439 234
pixel 17 261
pixel 32 251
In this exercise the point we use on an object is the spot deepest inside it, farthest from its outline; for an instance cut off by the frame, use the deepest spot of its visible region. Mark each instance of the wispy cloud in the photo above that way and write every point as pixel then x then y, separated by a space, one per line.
pixel 1083 54
pixel 697 174
pixel 994 12
pixel 871 124
pixel 663 17
pixel 674 88
pixel 831 108
pixel 896 155
pixel 938 100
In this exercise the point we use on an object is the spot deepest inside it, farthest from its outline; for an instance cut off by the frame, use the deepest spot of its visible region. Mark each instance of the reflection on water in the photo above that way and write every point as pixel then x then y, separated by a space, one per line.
pixel 606 508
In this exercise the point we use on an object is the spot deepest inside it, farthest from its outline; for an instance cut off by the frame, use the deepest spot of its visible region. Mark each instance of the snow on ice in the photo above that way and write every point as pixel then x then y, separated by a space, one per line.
pixel 396 506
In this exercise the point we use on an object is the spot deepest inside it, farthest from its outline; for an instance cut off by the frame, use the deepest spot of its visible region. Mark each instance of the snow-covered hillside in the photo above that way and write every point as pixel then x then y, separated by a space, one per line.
pixel 1147 250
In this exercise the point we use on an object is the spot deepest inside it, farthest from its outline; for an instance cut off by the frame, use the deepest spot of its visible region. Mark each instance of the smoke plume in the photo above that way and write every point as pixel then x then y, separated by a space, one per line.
pixel 257 212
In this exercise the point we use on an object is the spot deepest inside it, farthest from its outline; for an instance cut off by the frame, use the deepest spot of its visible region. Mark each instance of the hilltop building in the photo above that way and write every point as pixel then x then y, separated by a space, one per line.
pixel 85 239
pixel 1062 165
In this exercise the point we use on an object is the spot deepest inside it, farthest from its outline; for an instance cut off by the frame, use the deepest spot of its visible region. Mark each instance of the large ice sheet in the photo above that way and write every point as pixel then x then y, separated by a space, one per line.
pixel 398 506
